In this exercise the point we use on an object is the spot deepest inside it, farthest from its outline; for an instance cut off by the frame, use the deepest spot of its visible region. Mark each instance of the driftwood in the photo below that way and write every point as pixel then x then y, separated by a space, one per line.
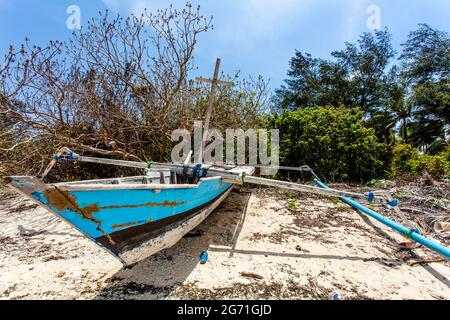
pixel 251 275
pixel 426 261
pixel 420 211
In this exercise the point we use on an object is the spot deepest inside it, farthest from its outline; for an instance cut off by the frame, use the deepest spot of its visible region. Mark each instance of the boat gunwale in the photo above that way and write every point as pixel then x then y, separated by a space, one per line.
pixel 125 186
pixel 71 186
pixel 97 181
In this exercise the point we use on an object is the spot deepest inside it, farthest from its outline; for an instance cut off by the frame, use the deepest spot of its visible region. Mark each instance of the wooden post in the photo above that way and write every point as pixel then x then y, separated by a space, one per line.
pixel 212 95
pixel 211 99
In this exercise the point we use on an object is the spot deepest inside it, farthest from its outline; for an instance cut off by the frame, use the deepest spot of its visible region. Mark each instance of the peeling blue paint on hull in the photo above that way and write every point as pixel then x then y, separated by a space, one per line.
pixel 127 220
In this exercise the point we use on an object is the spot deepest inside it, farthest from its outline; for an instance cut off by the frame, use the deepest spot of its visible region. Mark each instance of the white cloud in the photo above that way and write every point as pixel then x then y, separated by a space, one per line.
pixel 6 4
pixel 355 18
pixel 253 16
pixel 135 6
pixel 266 18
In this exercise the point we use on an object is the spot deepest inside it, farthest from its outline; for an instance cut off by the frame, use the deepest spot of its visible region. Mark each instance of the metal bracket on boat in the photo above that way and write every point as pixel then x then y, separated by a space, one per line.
pixel 63 154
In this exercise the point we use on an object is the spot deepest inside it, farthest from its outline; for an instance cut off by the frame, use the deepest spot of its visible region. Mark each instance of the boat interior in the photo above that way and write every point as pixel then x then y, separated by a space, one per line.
pixel 160 177
pixel 156 177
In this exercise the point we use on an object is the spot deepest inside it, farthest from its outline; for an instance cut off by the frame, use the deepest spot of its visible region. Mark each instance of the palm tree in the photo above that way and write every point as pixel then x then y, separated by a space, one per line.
pixel 401 109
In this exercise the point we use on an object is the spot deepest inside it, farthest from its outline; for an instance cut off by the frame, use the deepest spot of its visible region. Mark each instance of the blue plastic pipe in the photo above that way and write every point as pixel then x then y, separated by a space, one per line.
pixel 412 234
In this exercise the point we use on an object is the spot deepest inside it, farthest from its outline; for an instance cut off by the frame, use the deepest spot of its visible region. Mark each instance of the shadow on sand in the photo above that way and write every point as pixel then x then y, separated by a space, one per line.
pixel 157 276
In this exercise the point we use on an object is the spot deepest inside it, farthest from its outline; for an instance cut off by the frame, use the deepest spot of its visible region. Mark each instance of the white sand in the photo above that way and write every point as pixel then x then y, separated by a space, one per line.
pixel 321 247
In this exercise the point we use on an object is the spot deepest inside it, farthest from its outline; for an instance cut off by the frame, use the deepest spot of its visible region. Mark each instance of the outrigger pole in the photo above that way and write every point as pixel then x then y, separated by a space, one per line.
pixel 227 175
pixel 413 234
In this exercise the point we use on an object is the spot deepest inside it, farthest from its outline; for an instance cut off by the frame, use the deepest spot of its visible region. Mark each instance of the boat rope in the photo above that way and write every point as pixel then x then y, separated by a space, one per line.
pixel 199 171
pixel 204 171
pixel 307 168
pixel 196 170
pixel 69 156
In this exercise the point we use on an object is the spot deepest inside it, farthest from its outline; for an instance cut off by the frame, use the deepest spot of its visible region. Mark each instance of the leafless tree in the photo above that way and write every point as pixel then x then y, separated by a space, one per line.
pixel 117 88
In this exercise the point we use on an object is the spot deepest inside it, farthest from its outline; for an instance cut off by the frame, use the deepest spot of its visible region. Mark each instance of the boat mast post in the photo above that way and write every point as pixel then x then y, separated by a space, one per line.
pixel 212 97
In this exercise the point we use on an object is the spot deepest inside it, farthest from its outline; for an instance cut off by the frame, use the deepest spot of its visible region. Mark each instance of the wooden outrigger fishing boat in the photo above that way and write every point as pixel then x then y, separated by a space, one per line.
pixel 132 217
pixel 136 217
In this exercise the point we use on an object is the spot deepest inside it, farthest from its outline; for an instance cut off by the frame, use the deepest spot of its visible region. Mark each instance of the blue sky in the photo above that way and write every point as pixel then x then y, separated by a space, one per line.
pixel 254 36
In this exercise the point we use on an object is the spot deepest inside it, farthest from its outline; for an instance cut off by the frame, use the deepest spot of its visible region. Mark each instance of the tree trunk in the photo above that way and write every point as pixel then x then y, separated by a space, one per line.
pixel 405 130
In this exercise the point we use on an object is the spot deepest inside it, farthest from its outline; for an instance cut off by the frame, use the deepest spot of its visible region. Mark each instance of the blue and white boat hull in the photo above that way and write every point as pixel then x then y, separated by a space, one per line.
pixel 131 221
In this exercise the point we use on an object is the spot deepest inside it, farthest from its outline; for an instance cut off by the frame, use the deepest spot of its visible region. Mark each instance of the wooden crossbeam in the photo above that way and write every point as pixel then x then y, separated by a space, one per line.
pixel 231 177
pixel 210 81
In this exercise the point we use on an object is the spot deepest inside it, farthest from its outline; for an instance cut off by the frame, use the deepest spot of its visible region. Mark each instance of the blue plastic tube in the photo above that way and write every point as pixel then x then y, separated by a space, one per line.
pixel 412 234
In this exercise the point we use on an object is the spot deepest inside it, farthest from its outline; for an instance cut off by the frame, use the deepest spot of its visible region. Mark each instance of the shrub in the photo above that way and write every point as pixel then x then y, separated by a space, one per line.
pixel 401 160
pixel 408 163
pixel 334 141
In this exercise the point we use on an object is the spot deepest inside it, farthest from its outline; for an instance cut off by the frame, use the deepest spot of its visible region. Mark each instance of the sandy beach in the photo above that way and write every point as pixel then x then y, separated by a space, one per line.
pixel 262 244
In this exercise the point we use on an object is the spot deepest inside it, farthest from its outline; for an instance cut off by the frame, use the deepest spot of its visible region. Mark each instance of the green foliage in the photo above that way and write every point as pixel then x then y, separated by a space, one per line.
pixel 437 166
pixel 334 141
pixel 401 156
pixel 355 79
pixel 426 55
pixel 408 163
pixel 409 102
pixel 426 68
pixel 292 202
pixel 432 114
pixel 314 82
